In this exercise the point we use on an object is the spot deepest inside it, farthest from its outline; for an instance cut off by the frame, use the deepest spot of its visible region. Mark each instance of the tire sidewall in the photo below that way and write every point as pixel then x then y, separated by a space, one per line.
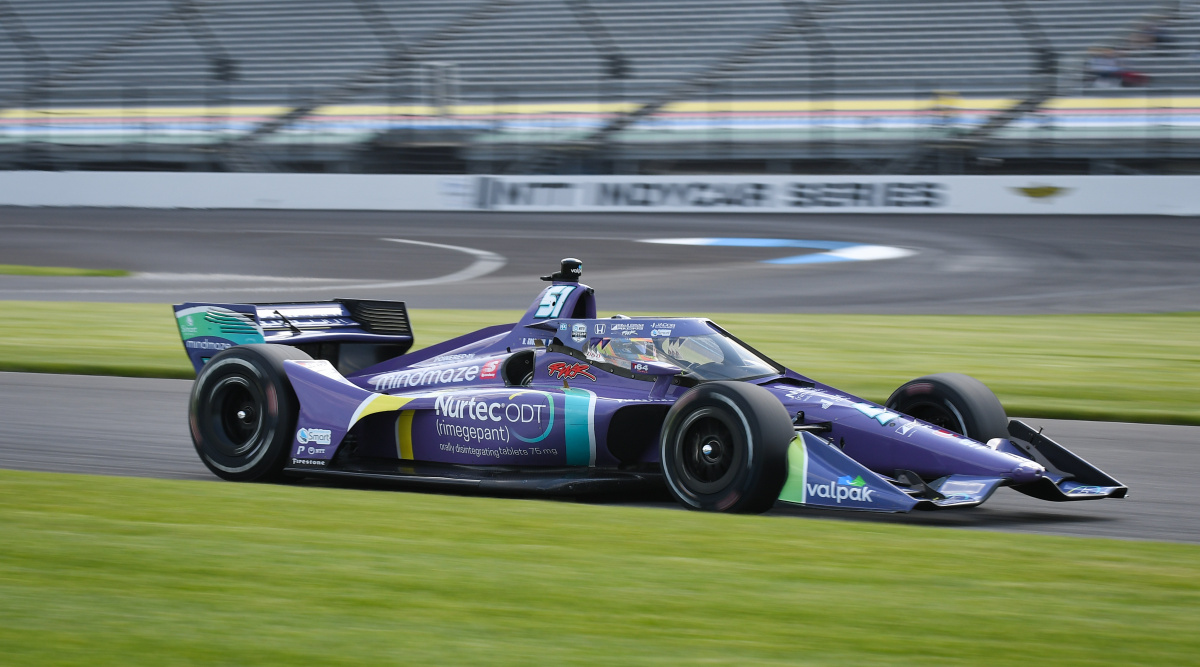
pixel 759 458
pixel 262 371
pixel 975 407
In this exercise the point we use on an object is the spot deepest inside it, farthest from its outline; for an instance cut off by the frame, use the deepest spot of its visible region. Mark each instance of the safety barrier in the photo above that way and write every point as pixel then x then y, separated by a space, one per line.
pixel 1008 195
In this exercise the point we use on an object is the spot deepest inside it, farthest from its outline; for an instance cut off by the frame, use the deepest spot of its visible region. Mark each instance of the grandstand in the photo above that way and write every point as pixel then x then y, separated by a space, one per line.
pixel 595 85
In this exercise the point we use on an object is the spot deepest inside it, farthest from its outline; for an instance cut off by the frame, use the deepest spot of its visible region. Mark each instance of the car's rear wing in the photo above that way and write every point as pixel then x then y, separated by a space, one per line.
pixel 349 333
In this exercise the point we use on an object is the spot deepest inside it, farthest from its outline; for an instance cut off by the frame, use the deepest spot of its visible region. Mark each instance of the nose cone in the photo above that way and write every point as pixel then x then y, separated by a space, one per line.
pixel 1026 472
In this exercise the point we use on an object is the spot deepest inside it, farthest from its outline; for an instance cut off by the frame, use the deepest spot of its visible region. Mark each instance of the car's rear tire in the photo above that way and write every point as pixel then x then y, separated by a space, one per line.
pixel 724 448
pixel 243 412
pixel 955 402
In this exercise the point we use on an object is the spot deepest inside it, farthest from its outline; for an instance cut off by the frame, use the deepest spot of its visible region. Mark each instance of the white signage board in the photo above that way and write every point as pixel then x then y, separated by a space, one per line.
pixel 979 195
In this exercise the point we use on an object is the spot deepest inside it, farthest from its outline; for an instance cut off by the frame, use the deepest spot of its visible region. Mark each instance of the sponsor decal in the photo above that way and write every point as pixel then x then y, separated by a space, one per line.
pixel 663 325
pixel 488 371
pixel 599 329
pixel 696 193
pixel 319 436
pixel 498 420
pixel 1088 491
pixel 311 450
pixel 847 488
pixel 962 488
pixel 323 367
pixel 418 377
pixel 483 410
pixel 579 332
pixel 626 328
pixel 565 371
pixel 641 368
pixel 946 434
pixel 448 358
pixel 810 394
pixel 308 462
pixel 920 194
pixel 495 453
pixel 878 414
pixel 1044 192
pixel 562 326
pixel 492 192
pixel 273 321
pixel 906 427
pixel 660 333
pixel 195 344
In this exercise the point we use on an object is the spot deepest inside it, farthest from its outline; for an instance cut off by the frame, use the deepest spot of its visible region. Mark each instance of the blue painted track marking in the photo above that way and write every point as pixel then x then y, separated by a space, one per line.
pixel 835 251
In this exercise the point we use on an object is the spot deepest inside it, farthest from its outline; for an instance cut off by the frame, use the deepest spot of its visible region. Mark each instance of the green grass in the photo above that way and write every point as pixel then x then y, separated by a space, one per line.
pixel 97 570
pixel 22 270
pixel 1108 367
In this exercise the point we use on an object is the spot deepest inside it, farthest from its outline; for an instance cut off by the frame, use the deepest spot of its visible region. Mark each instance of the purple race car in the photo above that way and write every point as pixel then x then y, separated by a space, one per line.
pixel 565 403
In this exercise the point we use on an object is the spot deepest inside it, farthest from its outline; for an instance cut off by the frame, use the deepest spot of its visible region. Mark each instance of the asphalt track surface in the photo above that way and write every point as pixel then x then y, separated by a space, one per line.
pixel 491 260
pixel 125 426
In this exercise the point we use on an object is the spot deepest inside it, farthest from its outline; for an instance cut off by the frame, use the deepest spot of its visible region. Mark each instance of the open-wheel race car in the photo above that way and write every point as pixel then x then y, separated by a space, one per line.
pixel 563 402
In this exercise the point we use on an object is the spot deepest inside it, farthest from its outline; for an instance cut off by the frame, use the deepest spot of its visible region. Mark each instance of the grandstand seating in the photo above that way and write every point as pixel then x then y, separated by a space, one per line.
pixel 535 50
pixel 533 72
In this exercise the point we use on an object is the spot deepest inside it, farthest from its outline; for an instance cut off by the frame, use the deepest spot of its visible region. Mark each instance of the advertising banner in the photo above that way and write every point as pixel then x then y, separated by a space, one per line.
pixel 924 195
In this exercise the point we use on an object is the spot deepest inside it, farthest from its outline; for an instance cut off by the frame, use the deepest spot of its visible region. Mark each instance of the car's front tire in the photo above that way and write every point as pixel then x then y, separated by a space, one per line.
pixel 724 448
pixel 243 412
pixel 955 402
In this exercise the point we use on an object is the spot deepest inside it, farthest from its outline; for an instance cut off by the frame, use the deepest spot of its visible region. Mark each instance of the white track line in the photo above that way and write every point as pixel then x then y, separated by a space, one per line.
pixel 485 262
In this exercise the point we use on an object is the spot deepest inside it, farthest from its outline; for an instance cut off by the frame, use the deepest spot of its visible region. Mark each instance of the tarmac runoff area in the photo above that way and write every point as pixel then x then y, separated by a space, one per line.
pixel 940 264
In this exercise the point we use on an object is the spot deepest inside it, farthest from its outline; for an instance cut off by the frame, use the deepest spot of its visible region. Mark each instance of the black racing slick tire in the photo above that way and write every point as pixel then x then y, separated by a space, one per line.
pixel 955 402
pixel 243 412
pixel 724 448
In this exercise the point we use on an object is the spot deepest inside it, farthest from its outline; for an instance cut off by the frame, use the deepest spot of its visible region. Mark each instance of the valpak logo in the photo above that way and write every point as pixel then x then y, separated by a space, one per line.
pixel 317 436
pixel 845 488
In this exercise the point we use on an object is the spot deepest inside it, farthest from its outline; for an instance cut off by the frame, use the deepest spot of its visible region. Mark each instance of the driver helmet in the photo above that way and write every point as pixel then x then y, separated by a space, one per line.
pixel 634 349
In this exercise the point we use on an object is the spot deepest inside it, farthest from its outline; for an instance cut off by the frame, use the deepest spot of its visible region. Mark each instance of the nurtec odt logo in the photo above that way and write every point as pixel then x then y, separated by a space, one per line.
pixel 845 488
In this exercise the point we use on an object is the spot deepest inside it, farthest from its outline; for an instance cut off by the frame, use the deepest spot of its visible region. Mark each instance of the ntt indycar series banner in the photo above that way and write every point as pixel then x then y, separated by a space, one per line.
pixel 721 193
pixel 970 195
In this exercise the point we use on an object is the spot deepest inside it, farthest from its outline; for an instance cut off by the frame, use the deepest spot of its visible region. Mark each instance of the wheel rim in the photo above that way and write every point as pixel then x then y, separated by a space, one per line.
pixel 707 455
pixel 939 415
pixel 236 412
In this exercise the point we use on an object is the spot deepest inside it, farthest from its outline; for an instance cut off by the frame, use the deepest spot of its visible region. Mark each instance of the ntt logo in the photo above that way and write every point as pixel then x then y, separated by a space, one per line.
pixel 845 488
